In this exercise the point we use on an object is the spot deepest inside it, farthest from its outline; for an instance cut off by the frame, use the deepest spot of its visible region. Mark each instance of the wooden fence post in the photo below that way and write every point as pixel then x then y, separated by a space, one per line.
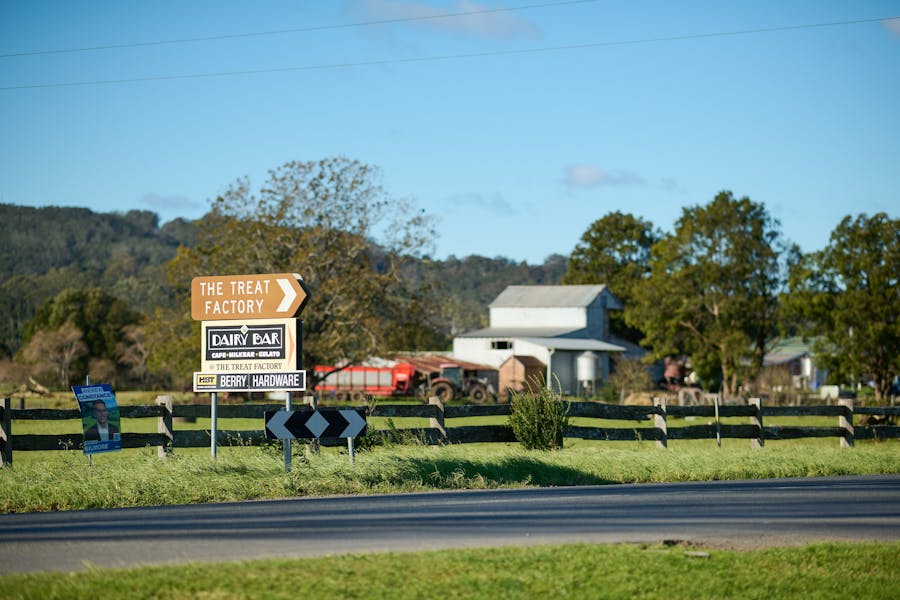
pixel 437 421
pixel 845 422
pixel 718 421
pixel 659 422
pixel 5 432
pixel 164 426
pixel 757 420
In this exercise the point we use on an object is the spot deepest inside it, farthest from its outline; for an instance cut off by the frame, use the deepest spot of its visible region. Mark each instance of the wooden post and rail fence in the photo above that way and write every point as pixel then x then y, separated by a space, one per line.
pixel 439 431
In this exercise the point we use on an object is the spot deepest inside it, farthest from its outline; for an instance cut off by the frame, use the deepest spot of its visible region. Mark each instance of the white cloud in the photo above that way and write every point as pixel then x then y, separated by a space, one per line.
pixel 463 17
pixel 892 25
pixel 670 184
pixel 585 176
pixel 494 204
pixel 171 204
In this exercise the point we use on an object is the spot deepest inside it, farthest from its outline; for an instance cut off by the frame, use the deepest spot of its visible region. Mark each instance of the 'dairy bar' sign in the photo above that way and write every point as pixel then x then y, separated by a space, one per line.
pixel 261 345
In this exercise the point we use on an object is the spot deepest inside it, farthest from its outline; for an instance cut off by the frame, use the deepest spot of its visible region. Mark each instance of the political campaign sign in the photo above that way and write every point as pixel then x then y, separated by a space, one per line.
pixel 99 418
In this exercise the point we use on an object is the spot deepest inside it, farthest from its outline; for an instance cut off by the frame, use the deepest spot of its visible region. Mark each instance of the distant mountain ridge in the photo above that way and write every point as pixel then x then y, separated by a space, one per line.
pixel 48 249
pixel 37 240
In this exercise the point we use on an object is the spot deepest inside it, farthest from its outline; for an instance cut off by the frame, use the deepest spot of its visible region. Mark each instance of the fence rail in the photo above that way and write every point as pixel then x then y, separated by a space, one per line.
pixel 168 438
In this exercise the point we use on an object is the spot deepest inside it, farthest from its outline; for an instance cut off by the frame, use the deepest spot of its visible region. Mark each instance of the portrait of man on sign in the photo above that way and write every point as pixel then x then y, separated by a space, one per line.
pixel 102 430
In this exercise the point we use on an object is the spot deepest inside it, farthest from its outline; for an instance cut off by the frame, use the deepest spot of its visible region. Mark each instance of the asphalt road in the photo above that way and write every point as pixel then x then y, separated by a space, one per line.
pixel 739 514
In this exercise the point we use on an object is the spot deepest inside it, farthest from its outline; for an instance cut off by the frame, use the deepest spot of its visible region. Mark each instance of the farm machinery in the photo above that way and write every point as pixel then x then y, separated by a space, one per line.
pixel 417 375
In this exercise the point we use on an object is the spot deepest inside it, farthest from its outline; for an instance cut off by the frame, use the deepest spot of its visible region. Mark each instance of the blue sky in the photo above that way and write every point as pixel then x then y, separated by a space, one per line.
pixel 515 123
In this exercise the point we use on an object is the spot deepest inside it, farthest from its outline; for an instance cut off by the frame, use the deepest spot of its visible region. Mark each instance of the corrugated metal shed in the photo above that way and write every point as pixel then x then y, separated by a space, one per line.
pixel 547 296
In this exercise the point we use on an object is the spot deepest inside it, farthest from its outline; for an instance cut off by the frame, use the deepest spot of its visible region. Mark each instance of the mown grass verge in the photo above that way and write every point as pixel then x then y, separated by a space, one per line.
pixel 837 570
pixel 42 481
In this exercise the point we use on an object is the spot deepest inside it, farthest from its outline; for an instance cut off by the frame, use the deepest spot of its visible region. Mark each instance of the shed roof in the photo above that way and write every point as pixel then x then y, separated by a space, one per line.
pixel 431 363
pixel 556 339
pixel 787 350
pixel 574 344
pixel 549 296
pixel 517 332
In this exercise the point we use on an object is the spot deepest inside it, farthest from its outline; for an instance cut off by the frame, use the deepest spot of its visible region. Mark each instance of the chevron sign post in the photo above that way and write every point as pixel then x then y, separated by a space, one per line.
pixel 328 423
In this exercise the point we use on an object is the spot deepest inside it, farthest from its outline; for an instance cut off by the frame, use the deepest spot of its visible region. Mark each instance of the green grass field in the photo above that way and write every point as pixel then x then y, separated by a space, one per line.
pixel 821 571
pixel 38 481
pixel 41 481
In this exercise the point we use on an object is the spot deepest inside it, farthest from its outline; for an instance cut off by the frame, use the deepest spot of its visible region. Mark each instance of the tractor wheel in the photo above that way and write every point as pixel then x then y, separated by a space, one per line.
pixel 443 391
pixel 478 394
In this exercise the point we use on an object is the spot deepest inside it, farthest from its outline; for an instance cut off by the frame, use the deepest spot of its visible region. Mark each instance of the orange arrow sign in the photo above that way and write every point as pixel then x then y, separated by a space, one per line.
pixel 222 297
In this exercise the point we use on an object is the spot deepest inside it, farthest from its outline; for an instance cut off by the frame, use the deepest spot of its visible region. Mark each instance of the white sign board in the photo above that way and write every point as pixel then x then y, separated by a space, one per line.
pixel 256 345
pixel 292 381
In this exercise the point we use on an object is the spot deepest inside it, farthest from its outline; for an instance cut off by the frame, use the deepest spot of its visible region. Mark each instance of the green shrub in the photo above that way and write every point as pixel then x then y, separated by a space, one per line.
pixel 389 437
pixel 865 396
pixel 538 418
pixel 607 393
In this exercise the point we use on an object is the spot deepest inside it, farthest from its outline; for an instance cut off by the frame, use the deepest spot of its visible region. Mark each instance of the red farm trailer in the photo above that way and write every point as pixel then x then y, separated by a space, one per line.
pixel 420 375
pixel 358 381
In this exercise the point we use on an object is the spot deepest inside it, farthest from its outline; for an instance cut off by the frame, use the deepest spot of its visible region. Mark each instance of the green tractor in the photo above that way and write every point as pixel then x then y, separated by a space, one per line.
pixel 453 382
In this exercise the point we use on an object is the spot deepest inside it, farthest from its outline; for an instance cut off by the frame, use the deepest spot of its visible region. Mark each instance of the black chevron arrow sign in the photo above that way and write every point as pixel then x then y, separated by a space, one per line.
pixel 323 423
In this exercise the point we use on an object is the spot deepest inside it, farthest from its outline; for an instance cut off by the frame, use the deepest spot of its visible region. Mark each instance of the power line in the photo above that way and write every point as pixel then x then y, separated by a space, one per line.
pixel 393 61
pixel 232 36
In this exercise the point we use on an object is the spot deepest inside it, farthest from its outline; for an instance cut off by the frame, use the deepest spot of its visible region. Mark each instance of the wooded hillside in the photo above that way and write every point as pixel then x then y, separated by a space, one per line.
pixel 46 250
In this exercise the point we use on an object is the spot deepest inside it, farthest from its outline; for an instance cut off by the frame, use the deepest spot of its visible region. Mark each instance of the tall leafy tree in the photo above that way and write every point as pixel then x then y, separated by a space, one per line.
pixel 713 289
pixel 132 352
pixel 332 222
pixel 846 297
pixel 172 340
pixel 97 315
pixel 615 250
pixel 55 351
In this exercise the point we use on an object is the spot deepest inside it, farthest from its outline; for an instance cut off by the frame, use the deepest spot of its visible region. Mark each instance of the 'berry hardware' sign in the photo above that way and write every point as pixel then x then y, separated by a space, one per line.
pixel 250 382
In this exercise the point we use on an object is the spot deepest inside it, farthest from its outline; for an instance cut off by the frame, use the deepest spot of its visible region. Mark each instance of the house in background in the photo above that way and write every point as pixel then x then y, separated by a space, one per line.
pixel 795 358
pixel 565 328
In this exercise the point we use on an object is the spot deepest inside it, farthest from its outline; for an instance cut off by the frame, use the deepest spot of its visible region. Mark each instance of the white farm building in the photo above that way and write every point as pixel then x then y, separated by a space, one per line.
pixel 564 327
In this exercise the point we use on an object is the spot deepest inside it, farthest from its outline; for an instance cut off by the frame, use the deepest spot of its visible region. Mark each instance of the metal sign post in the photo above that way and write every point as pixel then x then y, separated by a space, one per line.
pixel 87 381
pixel 213 424
pixel 288 405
